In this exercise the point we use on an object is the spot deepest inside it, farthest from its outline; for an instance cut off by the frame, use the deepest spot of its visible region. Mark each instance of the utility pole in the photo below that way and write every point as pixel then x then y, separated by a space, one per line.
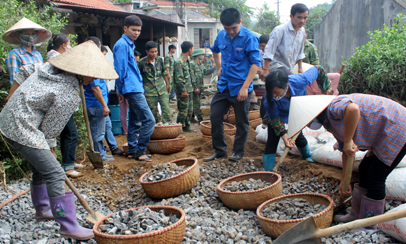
pixel 277 4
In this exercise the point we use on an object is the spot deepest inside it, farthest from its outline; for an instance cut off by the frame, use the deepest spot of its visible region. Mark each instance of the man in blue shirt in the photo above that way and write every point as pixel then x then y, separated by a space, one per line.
pixel 237 67
pixel 130 86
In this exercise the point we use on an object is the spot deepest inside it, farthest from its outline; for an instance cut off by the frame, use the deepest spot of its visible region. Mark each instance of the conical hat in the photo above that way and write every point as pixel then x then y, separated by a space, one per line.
pixel 304 109
pixel 305 67
pixel 85 59
pixel 23 24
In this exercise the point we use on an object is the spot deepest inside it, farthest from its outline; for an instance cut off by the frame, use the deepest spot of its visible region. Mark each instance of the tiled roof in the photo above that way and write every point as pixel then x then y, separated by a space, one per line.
pixel 100 4
pixel 172 3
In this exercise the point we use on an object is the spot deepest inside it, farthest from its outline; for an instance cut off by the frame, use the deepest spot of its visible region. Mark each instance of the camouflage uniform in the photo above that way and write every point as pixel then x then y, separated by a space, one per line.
pixel 208 64
pixel 170 63
pixel 155 87
pixel 310 51
pixel 183 82
pixel 198 69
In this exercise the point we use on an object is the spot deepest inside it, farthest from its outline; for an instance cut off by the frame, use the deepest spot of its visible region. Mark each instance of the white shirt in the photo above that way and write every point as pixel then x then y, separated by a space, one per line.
pixel 285 46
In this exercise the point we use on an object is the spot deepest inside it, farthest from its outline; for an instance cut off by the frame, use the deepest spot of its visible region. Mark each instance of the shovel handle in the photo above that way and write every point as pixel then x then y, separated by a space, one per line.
pixel 348 173
pixel 341 69
pixel 89 134
pixel 80 197
pixel 284 153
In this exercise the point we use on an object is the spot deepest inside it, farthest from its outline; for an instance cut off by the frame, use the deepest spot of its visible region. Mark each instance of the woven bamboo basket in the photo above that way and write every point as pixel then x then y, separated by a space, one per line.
pixel 166 132
pixel 254 123
pixel 252 115
pixel 171 234
pixel 205 111
pixel 175 185
pixel 275 228
pixel 167 146
pixel 205 128
pixel 208 138
pixel 250 199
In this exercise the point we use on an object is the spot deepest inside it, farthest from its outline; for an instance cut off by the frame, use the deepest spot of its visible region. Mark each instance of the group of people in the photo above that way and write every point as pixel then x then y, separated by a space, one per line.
pixel 44 96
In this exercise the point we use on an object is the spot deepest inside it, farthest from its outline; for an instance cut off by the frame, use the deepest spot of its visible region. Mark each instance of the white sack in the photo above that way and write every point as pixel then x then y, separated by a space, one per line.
pixel 395 228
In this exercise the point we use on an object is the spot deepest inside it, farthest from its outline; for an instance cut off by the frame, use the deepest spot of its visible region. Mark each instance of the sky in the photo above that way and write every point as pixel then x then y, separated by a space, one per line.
pixel 284 6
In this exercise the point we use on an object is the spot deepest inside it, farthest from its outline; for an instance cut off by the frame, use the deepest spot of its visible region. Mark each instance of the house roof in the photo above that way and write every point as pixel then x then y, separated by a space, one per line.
pixel 100 4
pixel 186 3
pixel 192 16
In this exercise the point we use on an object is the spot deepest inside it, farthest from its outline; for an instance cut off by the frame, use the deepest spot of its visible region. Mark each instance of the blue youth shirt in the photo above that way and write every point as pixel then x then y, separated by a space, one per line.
pixel 130 79
pixel 91 100
pixel 237 57
pixel 297 84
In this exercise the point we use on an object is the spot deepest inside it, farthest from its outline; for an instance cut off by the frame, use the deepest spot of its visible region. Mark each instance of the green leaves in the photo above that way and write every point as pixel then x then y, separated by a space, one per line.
pixel 378 67
pixel 267 20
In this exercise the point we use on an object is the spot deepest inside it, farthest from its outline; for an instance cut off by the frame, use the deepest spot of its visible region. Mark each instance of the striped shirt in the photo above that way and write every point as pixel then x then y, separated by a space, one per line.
pixel 18 57
pixel 381 127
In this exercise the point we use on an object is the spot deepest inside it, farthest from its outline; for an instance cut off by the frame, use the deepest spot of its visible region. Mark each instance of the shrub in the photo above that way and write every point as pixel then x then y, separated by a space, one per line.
pixel 379 66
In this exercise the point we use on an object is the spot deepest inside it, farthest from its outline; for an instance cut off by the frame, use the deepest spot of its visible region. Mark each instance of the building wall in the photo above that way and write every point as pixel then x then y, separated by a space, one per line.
pixel 191 26
pixel 346 27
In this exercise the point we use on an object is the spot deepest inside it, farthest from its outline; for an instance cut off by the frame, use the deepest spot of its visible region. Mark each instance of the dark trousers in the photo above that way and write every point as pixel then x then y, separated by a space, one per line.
pixel 273 140
pixel 373 173
pixel 219 106
pixel 69 141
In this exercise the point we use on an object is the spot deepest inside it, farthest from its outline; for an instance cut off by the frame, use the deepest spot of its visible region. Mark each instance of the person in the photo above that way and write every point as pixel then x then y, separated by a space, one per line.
pixel 280 88
pixel 263 40
pixel 69 138
pixel 198 69
pixel 130 86
pixel 239 63
pixel 310 52
pixel 366 122
pixel 36 114
pixel 286 43
pixel 26 34
pixel 183 86
pixel 137 55
pixel 156 82
pixel 169 66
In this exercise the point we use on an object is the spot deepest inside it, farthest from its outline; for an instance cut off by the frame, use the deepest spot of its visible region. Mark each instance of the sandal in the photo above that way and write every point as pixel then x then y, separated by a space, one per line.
pixel 147 159
pixel 74 174
pixel 134 155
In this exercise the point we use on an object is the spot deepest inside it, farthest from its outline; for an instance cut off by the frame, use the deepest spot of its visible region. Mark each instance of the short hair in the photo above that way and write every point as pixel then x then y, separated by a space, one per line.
pixel 95 39
pixel 103 49
pixel 172 46
pixel 264 39
pixel 56 41
pixel 150 44
pixel 186 46
pixel 298 8
pixel 230 16
pixel 132 20
pixel 136 53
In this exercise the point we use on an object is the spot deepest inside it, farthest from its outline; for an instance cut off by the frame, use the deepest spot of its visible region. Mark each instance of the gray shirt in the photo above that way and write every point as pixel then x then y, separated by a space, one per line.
pixel 285 46
pixel 39 109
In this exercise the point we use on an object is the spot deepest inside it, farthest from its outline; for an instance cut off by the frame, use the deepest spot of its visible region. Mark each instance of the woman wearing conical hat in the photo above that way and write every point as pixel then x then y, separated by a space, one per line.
pixel 35 115
pixel 26 34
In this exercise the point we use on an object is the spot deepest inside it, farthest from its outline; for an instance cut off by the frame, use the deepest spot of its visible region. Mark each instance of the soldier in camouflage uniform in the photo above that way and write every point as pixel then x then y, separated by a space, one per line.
pixel 169 66
pixel 198 69
pixel 156 89
pixel 207 62
pixel 183 86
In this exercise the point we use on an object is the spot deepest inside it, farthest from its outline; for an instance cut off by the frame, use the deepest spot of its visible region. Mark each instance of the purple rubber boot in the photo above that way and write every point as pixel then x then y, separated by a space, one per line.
pixel 370 208
pixel 40 199
pixel 64 210
pixel 355 205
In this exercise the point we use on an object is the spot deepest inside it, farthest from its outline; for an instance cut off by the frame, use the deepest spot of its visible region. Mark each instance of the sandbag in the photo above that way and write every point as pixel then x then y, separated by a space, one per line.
pixel 262 133
pixel 395 228
pixel 309 132
pixel 325 137
pixel 312 142
pixel 396 185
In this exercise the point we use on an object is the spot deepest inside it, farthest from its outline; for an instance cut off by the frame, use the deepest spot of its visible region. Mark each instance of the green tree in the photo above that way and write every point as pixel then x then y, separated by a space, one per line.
pixel 216 6
pixel 316 15
pixel 267 20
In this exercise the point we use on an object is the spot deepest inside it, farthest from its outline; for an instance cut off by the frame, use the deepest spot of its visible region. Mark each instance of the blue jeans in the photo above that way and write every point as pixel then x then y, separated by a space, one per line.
pixel 173 93
pixel 139 113
pixel 69 141
pixel 97 127
pixel 111 141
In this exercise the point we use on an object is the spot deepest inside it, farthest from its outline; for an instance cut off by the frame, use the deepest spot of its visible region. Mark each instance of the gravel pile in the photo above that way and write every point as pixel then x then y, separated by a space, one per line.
pixel 246 185
pixel 164 171
pixel 289 208
pixel 208 220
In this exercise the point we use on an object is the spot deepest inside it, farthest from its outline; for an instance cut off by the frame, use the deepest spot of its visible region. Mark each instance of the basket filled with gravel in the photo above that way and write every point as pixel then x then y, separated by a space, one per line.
pixel 248 191
pixel 166 131
pixel 252 115
pixel 171 179
pixel 148 224
pixel 205 128
pixel 280 214
pixel 167 146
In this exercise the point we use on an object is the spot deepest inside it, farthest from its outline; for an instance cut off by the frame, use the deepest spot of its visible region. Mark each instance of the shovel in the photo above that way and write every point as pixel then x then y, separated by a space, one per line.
pixel 284 154
pixel 307 232
pixel 94 157
pixel 93 217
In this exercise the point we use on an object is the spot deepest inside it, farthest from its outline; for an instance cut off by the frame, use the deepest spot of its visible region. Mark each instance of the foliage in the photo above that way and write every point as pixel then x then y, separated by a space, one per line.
pixel 216 6
pixel 122 1
pixel 379 66
pixel 316 15
pixel 267 20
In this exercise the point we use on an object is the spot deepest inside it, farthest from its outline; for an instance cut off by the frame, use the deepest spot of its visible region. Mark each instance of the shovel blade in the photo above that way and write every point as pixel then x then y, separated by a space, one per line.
pixel 95 159
pixel 93 220
pixel 303 233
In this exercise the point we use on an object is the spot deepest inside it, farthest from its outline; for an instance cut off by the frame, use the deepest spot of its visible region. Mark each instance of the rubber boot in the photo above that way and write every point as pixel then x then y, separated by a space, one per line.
pixel 268 161
pixel 305 152
pixel 64 210
pixel 370 208
pixel 40 199
pixel 355 205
